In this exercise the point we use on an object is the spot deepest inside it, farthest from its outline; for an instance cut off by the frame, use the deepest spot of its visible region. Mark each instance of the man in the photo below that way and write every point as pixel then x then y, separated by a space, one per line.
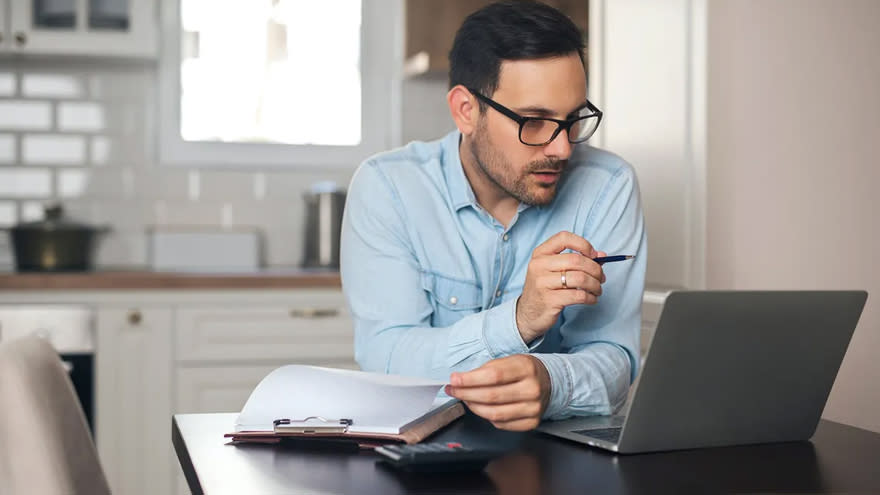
pixel 470 259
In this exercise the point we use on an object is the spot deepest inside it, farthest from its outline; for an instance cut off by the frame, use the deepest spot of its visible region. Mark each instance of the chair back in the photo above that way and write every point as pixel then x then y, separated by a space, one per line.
pixel 45 445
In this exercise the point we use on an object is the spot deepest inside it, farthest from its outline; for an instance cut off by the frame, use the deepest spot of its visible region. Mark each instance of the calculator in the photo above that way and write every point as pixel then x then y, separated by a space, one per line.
pixel 435 457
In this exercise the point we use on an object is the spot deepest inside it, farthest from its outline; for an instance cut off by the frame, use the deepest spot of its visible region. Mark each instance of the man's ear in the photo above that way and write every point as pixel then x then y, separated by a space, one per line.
pixel 464 109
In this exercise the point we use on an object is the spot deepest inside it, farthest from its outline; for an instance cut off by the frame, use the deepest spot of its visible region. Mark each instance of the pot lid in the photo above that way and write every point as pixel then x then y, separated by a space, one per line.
pixel 54 220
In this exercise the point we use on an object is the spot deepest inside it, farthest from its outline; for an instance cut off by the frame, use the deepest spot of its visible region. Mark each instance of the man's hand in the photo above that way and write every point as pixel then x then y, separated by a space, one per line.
pixel 544 295
pixel 512 392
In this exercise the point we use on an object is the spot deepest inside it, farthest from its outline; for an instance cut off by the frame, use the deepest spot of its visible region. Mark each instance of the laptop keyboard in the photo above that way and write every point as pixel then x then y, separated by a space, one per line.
pixel 607 434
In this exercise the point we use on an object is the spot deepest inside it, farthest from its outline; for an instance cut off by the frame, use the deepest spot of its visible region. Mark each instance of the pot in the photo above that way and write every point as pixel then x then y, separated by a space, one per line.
pixel 54 244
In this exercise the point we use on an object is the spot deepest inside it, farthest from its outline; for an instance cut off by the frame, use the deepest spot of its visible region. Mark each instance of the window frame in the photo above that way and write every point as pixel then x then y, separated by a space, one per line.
pixel 381 70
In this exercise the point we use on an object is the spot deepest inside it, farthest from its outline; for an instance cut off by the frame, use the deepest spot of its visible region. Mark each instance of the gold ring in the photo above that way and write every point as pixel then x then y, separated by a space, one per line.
pixel 564 284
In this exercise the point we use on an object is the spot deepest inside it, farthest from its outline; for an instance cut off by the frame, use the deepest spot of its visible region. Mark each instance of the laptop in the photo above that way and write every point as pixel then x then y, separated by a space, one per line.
pixel 730 368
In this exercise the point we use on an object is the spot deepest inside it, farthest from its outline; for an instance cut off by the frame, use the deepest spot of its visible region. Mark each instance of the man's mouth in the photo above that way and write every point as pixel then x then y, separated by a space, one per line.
pixel 547 176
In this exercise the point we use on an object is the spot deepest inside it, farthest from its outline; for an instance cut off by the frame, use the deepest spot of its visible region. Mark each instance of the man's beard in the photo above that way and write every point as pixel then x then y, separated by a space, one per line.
pixel 500 172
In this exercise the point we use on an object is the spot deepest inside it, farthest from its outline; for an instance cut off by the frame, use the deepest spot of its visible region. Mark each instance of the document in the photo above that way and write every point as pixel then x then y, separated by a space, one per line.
pixel 367 404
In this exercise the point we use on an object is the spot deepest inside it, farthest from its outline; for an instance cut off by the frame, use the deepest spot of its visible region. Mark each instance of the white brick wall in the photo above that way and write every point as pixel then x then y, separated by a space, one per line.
pixel 25 183
pixel 100 150
pixel 7 148
pixel 7 84
pixel 51 86
pixel 8 215
pixel 81 116
pixel 84 136
pixel 25 115
pixel 72 183
pixel 32 211
pixel 54 149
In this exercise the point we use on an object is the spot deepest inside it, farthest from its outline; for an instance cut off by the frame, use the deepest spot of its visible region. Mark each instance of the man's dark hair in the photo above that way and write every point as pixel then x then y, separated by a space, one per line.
pixel 509 30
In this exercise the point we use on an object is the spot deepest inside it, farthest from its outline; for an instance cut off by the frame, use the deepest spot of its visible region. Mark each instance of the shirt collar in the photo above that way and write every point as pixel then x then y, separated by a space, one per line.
pixel 460 191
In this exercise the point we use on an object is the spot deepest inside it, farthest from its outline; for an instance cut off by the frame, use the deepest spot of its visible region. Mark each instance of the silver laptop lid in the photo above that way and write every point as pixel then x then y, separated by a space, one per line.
pixel 739 367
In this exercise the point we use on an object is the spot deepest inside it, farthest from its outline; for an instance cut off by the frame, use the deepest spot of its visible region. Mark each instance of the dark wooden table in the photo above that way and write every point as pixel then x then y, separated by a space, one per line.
pixel 838 459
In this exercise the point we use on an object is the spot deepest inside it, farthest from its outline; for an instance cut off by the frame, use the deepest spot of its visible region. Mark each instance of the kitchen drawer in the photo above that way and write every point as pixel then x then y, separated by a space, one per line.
pixel 313 328
pixel 212 389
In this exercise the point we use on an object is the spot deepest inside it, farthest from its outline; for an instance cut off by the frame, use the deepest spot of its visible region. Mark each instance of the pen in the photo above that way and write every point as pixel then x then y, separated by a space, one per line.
pixel 610 259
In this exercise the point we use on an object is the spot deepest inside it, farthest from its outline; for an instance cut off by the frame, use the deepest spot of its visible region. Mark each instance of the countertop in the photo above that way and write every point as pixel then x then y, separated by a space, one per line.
pixel 146 279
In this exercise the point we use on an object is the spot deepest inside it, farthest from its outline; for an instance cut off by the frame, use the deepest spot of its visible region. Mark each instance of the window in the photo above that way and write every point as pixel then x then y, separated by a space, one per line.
pixel 278 82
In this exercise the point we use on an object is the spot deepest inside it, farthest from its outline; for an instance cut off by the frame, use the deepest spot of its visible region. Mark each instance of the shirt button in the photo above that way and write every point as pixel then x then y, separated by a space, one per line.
pixel 453 300
pixel 506 237
pixel 497 293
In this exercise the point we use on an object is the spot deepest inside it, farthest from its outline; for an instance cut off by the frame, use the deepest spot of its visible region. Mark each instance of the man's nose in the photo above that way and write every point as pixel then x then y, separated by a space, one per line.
pixel 559 148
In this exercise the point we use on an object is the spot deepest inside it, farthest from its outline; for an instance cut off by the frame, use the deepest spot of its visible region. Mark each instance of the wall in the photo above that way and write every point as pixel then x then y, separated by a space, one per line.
pixel 647 75
pixel 793 176
pixel 83 132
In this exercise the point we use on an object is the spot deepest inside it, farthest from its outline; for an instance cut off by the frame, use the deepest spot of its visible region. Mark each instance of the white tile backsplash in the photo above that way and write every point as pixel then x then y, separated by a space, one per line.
pixel 32 211
pixel 25 115
pixel 100 153
pixel 225 185
pixel 7 148
pixel 72 183
pixel 18 182
pixel 8 214
pixel 121 248
pixel 53 149
pixel 86 136
pixel 51 86
pixel 81 116
pixel 7 84
pixel 283 247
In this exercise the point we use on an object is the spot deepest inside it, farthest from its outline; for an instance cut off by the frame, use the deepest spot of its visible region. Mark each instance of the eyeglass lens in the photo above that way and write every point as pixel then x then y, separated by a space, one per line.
pixel 538 131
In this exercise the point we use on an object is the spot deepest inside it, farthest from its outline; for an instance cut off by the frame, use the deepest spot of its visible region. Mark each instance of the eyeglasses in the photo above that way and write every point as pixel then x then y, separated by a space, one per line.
pixel 540 131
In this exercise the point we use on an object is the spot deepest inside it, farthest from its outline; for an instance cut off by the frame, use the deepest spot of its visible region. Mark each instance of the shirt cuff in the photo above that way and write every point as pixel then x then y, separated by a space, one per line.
pixel 561 384
pixel 500 334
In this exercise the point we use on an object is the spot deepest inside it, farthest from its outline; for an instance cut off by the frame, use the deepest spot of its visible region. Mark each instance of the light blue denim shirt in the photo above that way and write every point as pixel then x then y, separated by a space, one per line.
pixel 432 279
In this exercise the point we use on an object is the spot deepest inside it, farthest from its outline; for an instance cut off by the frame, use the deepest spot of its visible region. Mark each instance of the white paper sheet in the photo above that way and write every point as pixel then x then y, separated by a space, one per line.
pixel 376 403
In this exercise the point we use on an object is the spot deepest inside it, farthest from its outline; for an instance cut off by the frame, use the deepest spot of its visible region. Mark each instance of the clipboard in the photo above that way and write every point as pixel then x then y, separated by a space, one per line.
pixel 311 425
pixel 314 427
pixel 368 408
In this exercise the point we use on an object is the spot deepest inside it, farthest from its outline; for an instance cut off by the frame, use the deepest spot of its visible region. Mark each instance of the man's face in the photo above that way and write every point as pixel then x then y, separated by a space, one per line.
pixel 550 87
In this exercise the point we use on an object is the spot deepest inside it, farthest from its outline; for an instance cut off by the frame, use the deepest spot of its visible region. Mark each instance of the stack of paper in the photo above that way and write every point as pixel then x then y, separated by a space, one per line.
pixel 374 403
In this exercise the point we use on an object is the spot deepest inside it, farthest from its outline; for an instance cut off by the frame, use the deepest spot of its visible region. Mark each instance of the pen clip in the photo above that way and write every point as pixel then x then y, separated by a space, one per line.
pixel 312 424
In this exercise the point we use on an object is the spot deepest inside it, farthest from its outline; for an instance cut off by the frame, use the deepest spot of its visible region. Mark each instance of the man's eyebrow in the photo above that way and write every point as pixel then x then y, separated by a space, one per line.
pixel 537 111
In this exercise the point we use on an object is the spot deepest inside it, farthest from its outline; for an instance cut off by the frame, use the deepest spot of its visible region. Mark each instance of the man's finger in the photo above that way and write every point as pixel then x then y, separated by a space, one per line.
pixel 524 424
pixel 573 280
pixel 496 372
pixel 565 240
pixel 572 261
pixel 503 394
pixel 506 412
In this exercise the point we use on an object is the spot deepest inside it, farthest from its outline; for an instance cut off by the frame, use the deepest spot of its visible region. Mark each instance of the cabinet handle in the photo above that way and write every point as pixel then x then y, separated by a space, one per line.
pixel 20 38
pixel 135 317
pixel 313 312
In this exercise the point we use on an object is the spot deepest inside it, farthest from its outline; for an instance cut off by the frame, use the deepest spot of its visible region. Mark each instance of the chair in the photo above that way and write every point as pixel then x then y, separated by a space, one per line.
pixel 45 446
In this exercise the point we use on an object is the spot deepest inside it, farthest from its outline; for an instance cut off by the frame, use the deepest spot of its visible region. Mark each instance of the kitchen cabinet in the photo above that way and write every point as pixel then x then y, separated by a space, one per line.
pixel 115 28
pixel 431 28
pixel 166 352
pixel 134 407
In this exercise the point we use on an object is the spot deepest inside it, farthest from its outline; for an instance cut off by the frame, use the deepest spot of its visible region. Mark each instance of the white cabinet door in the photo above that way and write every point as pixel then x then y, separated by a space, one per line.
pixel 314 328
pixel 216 389
pixel 122 28
pixel 133 385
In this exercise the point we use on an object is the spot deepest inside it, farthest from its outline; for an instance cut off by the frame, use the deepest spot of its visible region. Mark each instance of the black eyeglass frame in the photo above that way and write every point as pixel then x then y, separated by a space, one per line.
pixel 560 124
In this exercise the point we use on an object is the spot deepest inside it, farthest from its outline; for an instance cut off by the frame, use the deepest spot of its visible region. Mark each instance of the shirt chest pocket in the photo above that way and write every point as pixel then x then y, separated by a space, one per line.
pixel 452 299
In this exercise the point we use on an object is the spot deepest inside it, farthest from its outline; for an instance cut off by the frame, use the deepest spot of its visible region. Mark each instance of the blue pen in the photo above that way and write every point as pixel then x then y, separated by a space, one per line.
pixel 611 259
